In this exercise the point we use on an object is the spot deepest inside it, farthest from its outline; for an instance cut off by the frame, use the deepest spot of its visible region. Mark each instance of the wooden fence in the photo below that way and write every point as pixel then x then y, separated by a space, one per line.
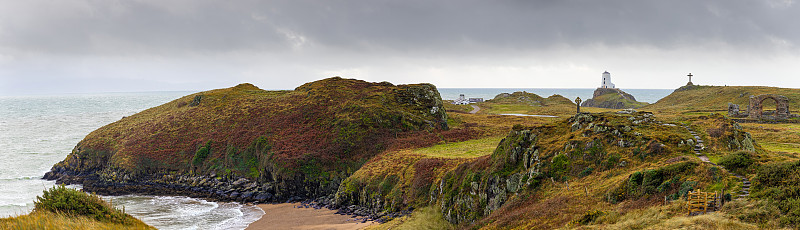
pixel 702 202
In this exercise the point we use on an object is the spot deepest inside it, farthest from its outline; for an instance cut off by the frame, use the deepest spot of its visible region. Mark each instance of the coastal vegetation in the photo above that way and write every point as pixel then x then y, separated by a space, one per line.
pixel 527 103
pixel 66 208
pixel 399 155
pixel 693 99
pixel 296 141
pixel 612 98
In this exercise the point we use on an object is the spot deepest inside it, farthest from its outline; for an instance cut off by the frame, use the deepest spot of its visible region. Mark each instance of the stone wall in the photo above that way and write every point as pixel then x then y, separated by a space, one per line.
pixel 755 110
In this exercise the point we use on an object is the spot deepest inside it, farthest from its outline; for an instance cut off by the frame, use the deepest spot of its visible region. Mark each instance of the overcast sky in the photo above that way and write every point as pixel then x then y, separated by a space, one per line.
pixel 83 46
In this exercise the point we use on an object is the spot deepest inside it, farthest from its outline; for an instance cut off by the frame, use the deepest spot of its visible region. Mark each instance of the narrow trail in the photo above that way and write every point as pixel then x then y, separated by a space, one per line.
pixel 700 147
pixel 475 109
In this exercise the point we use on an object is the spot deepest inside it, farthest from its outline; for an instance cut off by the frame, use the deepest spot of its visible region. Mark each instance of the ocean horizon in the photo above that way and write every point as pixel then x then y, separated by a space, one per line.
pixel 644 95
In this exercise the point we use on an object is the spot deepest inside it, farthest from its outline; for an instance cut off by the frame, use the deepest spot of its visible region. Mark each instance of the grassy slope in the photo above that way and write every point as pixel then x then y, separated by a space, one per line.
pixel 614 98
pixel 561 204
pixel 423 218
pixel 49 220
pixel 557 203
pixel 716 98
pixel 402 178
pixel 554 205
pixel 332 124
pixel 782 139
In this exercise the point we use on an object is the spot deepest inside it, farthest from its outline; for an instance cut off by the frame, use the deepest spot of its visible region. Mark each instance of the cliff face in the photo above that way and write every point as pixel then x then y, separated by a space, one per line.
pixel 612 99
pixel 244 143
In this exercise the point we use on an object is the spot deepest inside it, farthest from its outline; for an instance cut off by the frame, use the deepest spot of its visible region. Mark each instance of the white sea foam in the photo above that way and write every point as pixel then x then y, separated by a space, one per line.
pixel 39 131
pixel 169 212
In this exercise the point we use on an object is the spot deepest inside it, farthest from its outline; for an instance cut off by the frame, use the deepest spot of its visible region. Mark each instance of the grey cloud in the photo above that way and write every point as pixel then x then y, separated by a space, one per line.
pixel 179 27
pixel 136 45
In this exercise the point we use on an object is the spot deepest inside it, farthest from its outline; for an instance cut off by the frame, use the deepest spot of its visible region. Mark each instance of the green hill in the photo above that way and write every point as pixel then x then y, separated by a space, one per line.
pixel 612 99
pixel 222 143
pixel 716 98
pixel 382 151
pixel 553 175
pixel 527 103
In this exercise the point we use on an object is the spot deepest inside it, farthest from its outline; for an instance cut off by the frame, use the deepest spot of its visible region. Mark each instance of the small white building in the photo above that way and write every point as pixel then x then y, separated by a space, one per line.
pixel 607 81
pixel 461 100
pixel 475 99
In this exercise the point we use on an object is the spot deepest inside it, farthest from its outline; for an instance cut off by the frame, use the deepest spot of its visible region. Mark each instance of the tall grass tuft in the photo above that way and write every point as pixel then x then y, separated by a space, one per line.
pixel 69 201
pixel 65 208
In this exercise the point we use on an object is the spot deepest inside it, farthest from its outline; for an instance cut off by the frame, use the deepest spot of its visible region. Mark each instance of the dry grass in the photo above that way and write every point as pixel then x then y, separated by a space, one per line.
pixel 464 149
pixel 716 99
pixel 331 125
pixel 672 216
pixel 422 218
pixel 783 140
pixel 49 220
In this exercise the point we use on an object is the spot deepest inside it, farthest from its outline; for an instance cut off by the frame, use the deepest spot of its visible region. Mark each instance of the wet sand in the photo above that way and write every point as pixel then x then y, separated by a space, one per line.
pixel 294 216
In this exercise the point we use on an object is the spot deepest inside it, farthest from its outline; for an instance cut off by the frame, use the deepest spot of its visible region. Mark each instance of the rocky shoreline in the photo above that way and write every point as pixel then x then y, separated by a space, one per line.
pixel 211 188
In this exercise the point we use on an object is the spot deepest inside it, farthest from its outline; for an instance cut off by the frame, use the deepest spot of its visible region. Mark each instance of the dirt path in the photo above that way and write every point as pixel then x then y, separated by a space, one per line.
pixel 475 109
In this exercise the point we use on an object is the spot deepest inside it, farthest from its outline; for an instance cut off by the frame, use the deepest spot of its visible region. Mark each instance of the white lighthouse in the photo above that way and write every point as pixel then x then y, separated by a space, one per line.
pixel 607 81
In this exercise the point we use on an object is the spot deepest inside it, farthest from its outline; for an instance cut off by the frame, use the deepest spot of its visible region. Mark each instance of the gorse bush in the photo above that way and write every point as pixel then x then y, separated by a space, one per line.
pixel 779 184
pixel 202 154
pixel 667 179
pixel 69 201
pixel 559 165
pixel 737 162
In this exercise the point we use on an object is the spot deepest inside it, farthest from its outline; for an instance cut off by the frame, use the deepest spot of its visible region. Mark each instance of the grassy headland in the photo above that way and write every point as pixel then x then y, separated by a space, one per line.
pixel 296 141
pixel 612 99
pixel 701 98
pixel 379 150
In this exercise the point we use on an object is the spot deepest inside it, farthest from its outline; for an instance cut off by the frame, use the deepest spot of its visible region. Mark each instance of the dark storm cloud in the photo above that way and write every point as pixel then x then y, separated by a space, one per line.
pixel 208 27
pixel 143 45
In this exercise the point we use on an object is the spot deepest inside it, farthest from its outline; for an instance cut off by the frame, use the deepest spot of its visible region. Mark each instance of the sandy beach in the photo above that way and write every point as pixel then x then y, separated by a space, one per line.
pixel 294 216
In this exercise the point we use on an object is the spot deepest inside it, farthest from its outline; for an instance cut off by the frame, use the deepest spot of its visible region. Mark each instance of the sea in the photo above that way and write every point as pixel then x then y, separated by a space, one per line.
pixel 38 131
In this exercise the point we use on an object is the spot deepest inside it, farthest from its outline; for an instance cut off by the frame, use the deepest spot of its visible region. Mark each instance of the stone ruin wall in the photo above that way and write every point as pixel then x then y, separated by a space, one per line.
pixel 755 110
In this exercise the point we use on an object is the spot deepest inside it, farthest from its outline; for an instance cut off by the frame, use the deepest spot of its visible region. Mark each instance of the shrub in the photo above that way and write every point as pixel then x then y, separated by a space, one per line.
pixel 779 185
pixel 587 218
pixel 686 187
pixel 737 162
pixel 633 183
pixel 61 199
pixel 202 154
pixel 718 132
pixel 611 161
pixel 559 165
pixel 655 148
pixel 652 181
pixel 587 171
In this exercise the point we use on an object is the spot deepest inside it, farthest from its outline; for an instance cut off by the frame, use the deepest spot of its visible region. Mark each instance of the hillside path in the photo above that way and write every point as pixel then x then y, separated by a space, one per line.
pixel 700 147
pixel 475 109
